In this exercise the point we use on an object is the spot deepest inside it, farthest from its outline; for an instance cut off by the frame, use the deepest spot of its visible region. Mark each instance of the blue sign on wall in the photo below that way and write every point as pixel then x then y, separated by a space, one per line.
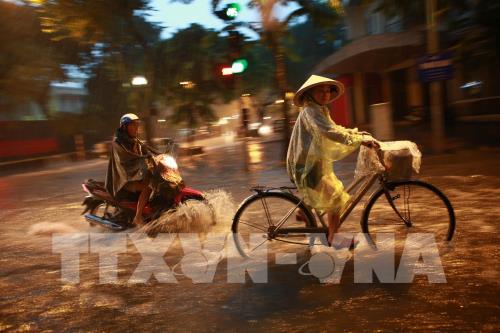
pixel 436 67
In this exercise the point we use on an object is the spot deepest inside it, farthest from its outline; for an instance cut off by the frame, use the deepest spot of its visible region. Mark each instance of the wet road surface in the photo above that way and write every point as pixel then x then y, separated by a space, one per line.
pixel 33 298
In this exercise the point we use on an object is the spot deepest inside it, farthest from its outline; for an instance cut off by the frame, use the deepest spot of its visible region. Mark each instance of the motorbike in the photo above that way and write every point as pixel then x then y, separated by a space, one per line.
pixel 101 208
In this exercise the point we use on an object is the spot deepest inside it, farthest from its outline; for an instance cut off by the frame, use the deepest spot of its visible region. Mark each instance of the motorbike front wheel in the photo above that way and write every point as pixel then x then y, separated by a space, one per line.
pixel 194 200
pixel 193 214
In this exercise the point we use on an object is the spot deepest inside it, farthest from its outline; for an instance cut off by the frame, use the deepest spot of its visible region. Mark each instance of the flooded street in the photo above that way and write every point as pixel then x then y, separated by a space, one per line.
pixel 36 204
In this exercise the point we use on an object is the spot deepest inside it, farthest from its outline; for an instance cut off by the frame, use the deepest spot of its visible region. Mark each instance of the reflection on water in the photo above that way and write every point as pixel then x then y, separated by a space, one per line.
pixel 48 228
pixel 255 153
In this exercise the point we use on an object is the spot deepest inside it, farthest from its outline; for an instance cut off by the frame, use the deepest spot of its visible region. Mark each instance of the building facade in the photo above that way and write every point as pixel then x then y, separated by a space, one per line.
pixel 379 63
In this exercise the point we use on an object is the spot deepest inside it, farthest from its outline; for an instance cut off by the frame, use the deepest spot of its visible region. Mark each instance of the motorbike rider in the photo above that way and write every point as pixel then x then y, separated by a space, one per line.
pixel 130 168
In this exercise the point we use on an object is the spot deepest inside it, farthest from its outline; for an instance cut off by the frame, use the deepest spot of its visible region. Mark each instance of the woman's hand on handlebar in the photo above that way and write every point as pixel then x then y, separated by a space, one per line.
pixel 370 143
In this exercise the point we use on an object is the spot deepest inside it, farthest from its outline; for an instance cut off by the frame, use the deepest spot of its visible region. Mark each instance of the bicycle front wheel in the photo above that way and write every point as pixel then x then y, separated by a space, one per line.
pixel 410 206
pixel 259 216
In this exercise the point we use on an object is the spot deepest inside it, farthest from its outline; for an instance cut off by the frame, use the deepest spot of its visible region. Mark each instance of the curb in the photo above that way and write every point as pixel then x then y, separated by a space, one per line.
pixel 47 158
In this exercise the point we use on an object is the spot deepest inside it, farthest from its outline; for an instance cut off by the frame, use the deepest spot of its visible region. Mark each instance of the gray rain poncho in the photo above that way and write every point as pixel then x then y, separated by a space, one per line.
pixel 317 142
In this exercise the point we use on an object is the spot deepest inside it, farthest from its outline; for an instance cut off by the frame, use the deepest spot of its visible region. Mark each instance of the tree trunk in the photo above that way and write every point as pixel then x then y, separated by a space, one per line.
pixel 279 57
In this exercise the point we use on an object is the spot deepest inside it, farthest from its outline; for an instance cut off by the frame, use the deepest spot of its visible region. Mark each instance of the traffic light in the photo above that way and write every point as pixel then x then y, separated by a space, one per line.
pixel 235 43
pixel 239 66
pixel 225 71
pixel 224 75
pixel 230 12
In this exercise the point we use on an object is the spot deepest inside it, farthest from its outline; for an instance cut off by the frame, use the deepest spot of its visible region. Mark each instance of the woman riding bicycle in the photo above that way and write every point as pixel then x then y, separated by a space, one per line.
pixel 317 142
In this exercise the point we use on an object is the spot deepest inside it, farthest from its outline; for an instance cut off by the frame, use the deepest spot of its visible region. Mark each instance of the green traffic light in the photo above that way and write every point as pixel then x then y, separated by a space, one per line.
pixel 232 10
pixel 239 65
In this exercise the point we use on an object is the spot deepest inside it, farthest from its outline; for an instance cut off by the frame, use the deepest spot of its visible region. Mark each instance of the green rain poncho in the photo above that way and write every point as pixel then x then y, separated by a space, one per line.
pixel 317 142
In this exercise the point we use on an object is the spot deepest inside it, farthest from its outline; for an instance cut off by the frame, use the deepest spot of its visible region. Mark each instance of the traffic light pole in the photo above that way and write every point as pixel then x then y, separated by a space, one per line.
pixel 243 124
pixel 229 13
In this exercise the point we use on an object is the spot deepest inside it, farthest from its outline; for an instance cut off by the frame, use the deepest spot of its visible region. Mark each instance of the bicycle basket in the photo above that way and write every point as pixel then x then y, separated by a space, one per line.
pixel 402 160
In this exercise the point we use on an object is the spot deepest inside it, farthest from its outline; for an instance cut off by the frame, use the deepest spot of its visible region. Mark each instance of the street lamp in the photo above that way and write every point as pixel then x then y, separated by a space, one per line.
pixel 139 81
pixel 187 84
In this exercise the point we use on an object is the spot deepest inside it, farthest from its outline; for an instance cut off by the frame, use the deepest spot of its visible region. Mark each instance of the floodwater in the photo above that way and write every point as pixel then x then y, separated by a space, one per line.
pixel 36 206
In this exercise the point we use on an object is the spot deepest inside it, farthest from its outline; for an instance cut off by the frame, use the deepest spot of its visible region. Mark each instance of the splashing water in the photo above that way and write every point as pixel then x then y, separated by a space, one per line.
pixel 47 228
pixel 214 214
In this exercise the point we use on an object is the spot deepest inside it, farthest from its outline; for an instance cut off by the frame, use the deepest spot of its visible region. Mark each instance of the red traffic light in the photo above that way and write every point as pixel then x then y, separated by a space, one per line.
pixel 227 71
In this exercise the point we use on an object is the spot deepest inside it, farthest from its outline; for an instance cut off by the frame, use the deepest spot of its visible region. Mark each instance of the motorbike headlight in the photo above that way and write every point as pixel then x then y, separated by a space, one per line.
pixel 169 162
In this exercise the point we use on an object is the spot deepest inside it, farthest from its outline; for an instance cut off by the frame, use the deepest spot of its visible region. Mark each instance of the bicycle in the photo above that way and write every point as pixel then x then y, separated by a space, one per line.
pixel 270 211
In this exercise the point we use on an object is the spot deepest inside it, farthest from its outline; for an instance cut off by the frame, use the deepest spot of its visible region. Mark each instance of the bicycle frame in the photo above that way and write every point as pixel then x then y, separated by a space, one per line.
pixel 370 180
pixel 366 183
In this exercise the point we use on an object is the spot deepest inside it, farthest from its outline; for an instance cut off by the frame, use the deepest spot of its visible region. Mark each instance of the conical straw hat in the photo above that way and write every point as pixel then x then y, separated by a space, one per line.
pixel 316 80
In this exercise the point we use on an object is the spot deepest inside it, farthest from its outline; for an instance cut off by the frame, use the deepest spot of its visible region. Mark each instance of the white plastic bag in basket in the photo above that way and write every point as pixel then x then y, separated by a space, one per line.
pixel 368 161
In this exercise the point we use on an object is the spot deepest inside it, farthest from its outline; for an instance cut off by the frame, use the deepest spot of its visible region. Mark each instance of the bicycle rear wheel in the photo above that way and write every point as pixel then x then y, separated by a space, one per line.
pixel 258 216
pixel 410 206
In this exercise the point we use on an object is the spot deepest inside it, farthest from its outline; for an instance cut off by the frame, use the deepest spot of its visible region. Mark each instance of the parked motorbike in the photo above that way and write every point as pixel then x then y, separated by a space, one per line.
pixel 104 210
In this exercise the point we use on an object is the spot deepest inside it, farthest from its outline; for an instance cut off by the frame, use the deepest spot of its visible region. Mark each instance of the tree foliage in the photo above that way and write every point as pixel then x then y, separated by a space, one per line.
pixel 112 41
pixel 94 22
pixel 191 55
pixel 301 39
pixel 29 60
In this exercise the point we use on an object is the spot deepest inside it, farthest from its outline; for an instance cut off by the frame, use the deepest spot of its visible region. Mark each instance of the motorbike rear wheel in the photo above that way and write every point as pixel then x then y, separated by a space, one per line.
pixel 97 212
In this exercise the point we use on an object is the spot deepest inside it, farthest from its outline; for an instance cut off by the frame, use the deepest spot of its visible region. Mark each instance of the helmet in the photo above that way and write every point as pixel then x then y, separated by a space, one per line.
pixel 128 118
